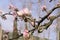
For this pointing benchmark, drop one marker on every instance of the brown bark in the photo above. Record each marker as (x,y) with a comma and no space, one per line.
(0,32)
(15,30)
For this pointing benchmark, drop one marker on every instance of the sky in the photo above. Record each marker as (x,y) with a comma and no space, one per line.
(7,25)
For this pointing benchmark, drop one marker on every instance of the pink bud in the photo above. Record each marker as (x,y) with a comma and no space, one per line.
(12,7)
(58,4)
(43,8)
(25,33)
(26,30)
(48,18)
(14,14)
(32,23)
(26,11)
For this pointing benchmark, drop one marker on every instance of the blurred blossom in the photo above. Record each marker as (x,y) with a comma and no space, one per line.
(12,7)
(43,8)
(32,23)
(58,4)
(14,14)
(24,11)
(20,13)
(25,33)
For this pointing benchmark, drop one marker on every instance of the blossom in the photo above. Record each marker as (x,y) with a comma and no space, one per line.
(43,8)
(48,17)
(32,23)
(58,4)
(12,7)
(25,33)
(14,14)
(26,11)
(20,13)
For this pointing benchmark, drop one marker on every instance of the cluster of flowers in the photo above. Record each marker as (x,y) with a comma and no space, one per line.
(24,11)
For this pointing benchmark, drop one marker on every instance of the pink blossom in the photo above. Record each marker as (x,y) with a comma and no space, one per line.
(12,7)
(32,23)
(25,33)
(26,11)
(43,7)
(20,13)
(58,4)
(48,17)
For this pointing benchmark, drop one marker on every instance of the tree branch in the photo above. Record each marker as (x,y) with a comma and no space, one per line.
(6,14)
(49,12)
(46,25)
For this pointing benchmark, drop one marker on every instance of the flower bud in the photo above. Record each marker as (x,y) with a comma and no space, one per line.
(26,11)
(43,8)
(25,33)
(12,7)
(32,23)
(58,4)
(48,18)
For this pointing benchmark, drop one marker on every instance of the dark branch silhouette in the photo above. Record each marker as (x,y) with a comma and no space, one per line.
(50,0)
(49,12)
(46,25)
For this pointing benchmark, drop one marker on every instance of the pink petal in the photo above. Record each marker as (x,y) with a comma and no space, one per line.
(26,11)
(43,7)
(20,13)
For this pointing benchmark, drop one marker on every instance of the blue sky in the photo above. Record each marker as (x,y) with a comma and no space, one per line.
(8,24)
